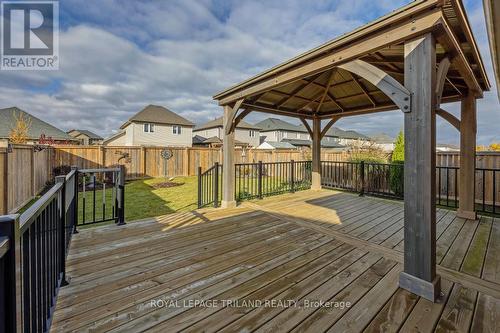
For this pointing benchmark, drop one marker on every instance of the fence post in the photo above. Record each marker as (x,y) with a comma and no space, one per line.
(62,220)
(216,184)
(362,174)
(142,160)
(292,176)
(259,179)
(10,314)
(121,196)
(199,187)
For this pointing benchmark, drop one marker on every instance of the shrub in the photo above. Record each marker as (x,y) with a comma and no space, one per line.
(396,177)
(61,170)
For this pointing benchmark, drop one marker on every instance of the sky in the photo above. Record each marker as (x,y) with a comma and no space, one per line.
(118,56)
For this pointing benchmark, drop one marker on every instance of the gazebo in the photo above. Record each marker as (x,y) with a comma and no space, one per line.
(414,60)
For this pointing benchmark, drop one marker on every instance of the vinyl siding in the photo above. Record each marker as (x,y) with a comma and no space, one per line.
(241,134)
(162,136)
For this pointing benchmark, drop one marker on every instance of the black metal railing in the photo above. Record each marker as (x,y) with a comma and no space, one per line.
(254,180)
(488,190)
(209,186)
(34,262)
(342,175)
(258,180)
(33,250)
(101,195)
(383,179)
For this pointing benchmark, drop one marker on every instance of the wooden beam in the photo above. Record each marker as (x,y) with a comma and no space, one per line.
(325,93)
(363,89)
(468,129)
(449,118)
(329,125)
(231,116)
(239,118)
(383,81)
(297,91)
(419,274)
(271,110)
(389,35)
(442,70)
(306,125)
(228,176)
(316,154)
(446,38)
(335,101)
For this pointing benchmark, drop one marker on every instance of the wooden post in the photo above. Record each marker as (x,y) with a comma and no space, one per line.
(468,128)
(102,158)
(142,160)
(228,172)
(316,154)
(4,181)
(419,274)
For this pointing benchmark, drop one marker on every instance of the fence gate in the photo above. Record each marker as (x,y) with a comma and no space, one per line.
(101,195)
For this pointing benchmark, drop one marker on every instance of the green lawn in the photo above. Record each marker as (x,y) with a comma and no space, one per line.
(142,200)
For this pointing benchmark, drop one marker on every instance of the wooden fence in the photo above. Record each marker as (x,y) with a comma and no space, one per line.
(24,172)
(147,161)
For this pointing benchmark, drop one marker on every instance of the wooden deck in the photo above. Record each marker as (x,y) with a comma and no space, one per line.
(276,259)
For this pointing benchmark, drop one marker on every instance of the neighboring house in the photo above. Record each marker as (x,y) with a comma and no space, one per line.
(86,137)
(277,130)
(276,145)
(39,131)
(445,147)
(215,142)
(383,141)
(307,143)
(154,126)
(244,133)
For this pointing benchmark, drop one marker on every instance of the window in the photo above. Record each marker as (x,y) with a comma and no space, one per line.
(252,133)
(149,128)
(176,129)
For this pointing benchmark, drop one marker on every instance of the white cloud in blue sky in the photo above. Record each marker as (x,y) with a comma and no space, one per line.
(118,56)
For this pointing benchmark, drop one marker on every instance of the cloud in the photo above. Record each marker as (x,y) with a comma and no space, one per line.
(118,56)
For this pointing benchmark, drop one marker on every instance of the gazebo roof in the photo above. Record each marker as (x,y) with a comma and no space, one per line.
(312,83)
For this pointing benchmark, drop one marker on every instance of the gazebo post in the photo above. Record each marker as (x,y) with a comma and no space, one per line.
(468,128)
(316,154)
(419,275)
(228,173)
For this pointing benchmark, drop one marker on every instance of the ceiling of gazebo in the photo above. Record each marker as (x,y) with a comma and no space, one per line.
(336,91)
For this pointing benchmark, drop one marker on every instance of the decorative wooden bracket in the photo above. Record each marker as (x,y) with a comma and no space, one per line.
(239,118)
(442,70)
(306,125)
(230,125)
(383,81)
(328,126)
(449,118)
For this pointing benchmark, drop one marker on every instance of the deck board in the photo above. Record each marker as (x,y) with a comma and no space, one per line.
(286,248)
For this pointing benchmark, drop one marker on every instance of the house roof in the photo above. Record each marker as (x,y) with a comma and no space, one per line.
(218,123)
(279,145)
(38,126)
(324,82)
(114,136)
(324,143)
(158,115)
(274,124)
(87,133)
(382,138)
(217,140)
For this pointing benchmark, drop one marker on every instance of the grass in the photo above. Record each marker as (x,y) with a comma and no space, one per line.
(142,200)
